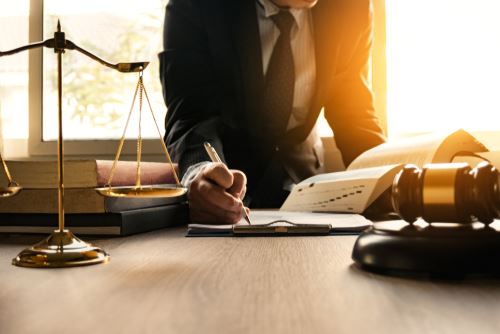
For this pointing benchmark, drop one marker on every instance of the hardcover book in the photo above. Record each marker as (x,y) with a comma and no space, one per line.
(117,223)
(36,174)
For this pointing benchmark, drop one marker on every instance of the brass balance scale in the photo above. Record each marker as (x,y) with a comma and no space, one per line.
(62,248)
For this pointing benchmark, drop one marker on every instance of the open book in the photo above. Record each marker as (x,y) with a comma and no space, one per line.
(370,174)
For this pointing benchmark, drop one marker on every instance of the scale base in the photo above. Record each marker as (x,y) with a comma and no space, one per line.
(61,249)
(437,250)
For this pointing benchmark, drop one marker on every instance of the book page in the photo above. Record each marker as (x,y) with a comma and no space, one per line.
(473,159)
(458,143)
(493,157)
(418,150)
(349,191)
(335,220)
(365,173)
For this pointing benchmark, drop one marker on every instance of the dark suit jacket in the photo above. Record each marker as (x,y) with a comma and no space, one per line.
(212,77)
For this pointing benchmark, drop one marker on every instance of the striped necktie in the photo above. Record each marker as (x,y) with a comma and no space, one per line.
(280,77)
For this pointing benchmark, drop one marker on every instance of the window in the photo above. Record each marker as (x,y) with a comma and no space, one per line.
(443,65)
(96,100)
(14,71)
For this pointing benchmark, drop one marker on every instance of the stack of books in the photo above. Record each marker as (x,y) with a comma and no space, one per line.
(35,208)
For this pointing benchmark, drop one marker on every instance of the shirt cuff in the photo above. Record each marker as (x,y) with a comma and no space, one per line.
(192,172)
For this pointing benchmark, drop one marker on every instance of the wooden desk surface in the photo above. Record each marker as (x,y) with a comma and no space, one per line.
(162,282)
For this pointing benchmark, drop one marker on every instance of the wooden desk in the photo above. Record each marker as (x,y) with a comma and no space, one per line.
(162,282)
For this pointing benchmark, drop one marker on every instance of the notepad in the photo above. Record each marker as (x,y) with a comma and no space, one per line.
(270,222)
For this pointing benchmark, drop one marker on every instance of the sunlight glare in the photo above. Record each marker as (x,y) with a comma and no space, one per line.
(443,65)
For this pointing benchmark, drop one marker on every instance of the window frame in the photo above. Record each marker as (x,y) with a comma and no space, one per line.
(105,148)
(379,63)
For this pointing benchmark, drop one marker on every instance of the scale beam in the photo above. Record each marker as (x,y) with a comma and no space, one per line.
(69,45)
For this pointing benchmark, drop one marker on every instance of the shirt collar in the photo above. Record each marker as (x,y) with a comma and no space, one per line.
(271,9)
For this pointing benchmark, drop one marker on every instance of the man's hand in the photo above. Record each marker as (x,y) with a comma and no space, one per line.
(215,195)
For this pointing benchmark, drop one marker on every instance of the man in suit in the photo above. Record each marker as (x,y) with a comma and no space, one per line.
(251,77)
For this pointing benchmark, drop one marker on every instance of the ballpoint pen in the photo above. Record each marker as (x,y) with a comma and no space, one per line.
(212,153)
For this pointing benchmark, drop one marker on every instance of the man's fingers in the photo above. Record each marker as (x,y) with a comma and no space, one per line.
(239,187)
(204,193)
(219,174)
(243,193)
(214,195)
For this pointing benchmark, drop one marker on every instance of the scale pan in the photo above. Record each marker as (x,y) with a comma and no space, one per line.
(162,191)
(9,191)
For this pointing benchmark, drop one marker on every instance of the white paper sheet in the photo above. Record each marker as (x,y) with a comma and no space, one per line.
(336,221)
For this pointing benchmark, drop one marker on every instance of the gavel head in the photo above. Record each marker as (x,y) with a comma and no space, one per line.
(452,192)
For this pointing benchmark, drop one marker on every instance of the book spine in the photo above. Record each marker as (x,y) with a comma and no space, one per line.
(154,218)
(87,173)
(45,201)
(120,224)
(125,173)
(119,204)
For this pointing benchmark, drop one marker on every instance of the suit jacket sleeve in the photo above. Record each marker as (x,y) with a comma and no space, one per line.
(190,86)
(349,108)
